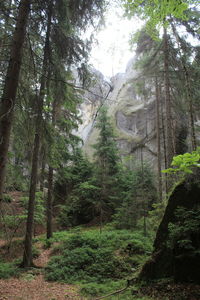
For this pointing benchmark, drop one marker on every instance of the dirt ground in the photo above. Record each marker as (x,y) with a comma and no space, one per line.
(31,286)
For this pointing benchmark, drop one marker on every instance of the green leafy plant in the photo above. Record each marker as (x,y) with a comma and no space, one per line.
(7,270)
(185,163)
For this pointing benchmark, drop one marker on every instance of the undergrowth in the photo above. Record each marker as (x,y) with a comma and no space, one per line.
(8,270)
(101,263)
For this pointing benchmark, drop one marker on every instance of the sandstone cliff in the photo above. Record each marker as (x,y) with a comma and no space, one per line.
(132,116)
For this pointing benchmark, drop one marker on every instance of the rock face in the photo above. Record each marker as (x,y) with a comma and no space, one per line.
(93,98)
(132,117)
(131,103)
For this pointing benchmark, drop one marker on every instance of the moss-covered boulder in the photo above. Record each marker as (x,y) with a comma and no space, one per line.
(177,245)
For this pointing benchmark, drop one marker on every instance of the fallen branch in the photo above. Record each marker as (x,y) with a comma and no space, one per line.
(115,293)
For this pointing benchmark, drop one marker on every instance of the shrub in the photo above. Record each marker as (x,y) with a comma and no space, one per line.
(7,270)
(86,263)
(135,246)
(89,256)
(7,198)
(99,262)
(184,233)
(96,289)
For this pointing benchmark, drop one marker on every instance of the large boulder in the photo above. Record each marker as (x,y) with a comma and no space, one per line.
(178,257)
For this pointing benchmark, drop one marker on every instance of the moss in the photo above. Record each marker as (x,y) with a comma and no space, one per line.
(164,262)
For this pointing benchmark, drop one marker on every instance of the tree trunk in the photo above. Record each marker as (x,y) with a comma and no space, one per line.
(10,87)
(188,91)
(43,165)
(159,174)
(50,179)
(49,204)
(27,258)
(164,142)
(169,135)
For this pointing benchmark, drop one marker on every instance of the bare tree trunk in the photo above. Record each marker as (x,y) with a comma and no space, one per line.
(164,141)
(10,87)
(144,204)
(49,203)
(170,151)
(169,136)
(101,220)
(27,258)
(43,165)
(159,174)
(50,179)
(188,91)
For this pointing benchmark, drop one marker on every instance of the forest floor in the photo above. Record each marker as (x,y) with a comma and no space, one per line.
(32,285)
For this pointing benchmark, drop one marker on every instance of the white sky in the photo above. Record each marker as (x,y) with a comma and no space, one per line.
(112,53)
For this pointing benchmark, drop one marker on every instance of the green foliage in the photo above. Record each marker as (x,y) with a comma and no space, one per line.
(106,153)
(184,233)
(156,12)
(92,188)
(15,180)
(7,270)
(185,163)
(12,221)
(88,261)
(103,188)
(7,198)
(137,189)
(95,289)
(90,257)
(39,214)
(155,215)
(76,184)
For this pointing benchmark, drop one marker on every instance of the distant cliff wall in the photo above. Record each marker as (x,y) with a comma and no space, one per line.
(132,117)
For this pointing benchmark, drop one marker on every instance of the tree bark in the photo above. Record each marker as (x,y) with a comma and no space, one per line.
(159,174)
(164,142)
(169,135)
(50,178)
(49,203)
(27,257)
(188,91)
(10,87)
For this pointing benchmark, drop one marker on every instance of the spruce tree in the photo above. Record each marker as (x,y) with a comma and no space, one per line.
(107,162)
(10,86)
(62,47)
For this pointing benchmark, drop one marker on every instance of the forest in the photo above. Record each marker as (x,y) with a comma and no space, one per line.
(99,178)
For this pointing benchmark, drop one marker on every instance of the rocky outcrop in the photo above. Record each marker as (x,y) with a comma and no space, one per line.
(132,109)
(132,117)
(93,97)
